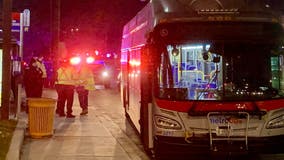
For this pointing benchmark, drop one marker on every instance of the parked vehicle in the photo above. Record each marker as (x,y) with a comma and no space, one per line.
(204,77)
(102,74)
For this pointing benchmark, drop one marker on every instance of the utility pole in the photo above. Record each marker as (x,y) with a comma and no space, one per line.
(6,61)
(55,28)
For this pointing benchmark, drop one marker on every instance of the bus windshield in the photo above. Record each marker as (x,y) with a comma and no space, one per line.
(220,71)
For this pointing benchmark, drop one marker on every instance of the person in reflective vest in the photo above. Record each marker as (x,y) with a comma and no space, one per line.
(65,85)
(84,83)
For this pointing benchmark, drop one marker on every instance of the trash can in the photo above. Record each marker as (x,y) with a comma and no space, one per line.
(41,116)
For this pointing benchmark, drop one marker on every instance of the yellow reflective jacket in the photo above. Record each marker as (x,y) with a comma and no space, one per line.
(65,76)
(85,77)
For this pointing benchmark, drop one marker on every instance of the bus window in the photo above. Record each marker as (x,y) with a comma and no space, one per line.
(184,67)
(239,71)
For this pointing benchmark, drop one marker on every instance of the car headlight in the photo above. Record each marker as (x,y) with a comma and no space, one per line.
(105,74)
(277,122)
(167,123)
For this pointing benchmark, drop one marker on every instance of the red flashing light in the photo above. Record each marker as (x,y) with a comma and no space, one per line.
(108,55)
(96,52)
(90,60)
(25,63)
(75,60)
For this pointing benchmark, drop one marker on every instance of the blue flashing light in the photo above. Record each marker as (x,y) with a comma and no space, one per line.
(99,62)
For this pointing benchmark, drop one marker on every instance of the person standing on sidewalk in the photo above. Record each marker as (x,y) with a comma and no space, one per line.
(34,75)
(40,65)
(65,85)
(85,83)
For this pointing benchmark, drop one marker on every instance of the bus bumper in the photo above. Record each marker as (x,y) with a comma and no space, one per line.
(172,146)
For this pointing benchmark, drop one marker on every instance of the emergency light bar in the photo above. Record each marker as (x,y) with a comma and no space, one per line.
(77,60)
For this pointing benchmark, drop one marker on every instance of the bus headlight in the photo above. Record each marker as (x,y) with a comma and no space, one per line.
(277,122)
(167,123)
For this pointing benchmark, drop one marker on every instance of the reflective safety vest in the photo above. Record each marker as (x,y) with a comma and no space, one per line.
(65,76)
(85,78)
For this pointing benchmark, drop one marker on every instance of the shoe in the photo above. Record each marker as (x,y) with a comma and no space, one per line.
(70,116)
(84,112)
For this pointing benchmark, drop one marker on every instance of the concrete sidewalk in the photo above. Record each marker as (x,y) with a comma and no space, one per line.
(17,139)
(95,137)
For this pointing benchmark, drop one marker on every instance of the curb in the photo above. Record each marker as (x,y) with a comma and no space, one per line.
(17,141)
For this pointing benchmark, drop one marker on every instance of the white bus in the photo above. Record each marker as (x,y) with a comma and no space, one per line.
(204,76)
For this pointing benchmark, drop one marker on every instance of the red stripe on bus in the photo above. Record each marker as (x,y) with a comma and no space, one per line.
(184,106)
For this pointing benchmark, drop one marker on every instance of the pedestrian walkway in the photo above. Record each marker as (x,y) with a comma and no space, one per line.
(92,137)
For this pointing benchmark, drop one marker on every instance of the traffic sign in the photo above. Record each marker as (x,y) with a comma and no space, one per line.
(16,22)
(26,18)
(16,16)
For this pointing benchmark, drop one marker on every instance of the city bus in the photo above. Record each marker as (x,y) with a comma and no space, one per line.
(204,76)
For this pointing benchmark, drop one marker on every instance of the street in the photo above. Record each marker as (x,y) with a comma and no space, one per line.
(104,134)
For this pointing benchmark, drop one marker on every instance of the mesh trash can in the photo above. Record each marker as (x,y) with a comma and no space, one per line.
(41,116)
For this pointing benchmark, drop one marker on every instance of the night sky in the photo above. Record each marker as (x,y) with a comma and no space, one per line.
(99,23)
(84,24)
